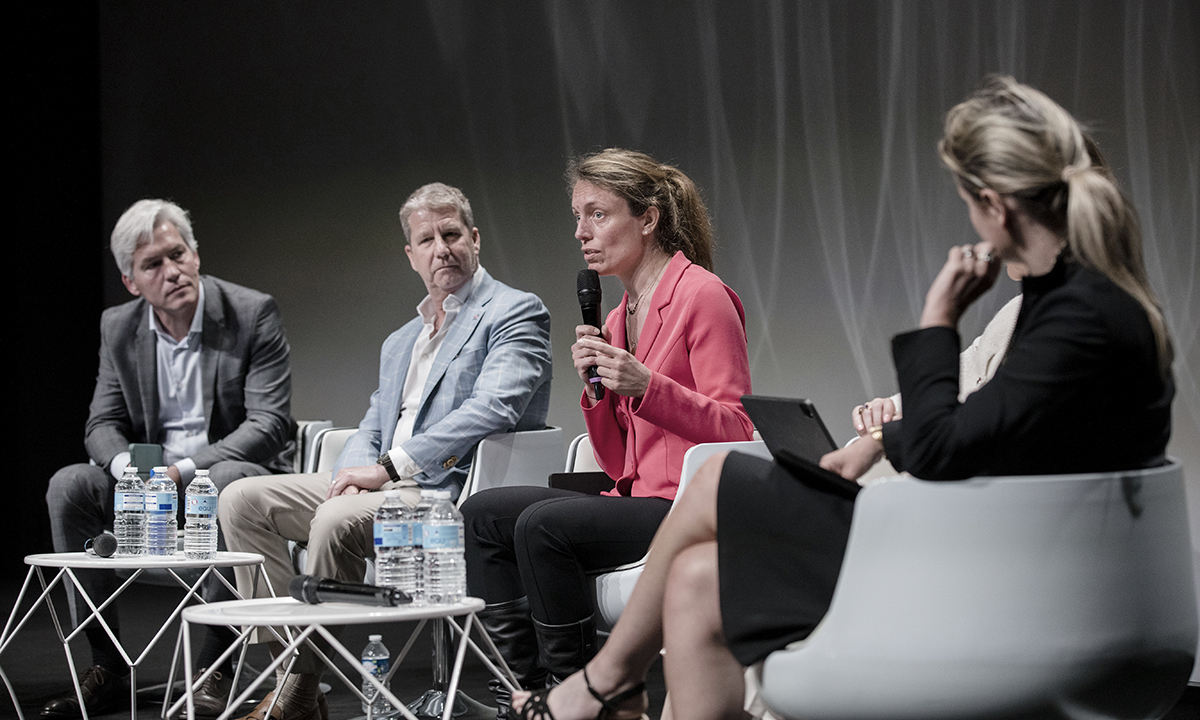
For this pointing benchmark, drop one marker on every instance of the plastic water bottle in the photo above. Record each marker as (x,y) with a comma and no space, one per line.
(376,660)
(417,523)
(200,518)
(393,543)
(161,501)
(129,514)
(445,568)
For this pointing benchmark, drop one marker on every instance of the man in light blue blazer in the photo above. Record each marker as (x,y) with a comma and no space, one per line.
(475,361)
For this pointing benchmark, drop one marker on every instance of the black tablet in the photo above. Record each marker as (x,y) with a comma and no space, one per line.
(797,438)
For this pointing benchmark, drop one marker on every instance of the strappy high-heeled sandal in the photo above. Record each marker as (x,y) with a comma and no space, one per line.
(538,708)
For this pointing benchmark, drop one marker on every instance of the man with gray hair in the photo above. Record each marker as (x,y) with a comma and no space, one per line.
(475,361)
(194,364)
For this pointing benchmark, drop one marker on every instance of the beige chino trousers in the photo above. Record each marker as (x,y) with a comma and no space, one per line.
(261,514)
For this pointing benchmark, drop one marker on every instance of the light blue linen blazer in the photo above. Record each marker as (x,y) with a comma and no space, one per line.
(492,374)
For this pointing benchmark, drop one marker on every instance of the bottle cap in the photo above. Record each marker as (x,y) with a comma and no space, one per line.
(441,494)
(161,470)
(130,469)
(426,492)
(391,493)
(201,473)
(374,638)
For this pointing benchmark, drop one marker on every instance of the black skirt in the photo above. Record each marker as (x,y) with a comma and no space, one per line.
(780,545)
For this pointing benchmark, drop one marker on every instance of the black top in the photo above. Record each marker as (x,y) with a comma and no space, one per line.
(1079,389)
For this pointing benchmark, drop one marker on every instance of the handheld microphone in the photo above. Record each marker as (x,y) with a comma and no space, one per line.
(314,589)
(587,284)
(103,545)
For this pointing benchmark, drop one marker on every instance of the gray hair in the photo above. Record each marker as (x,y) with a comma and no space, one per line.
(136,228)
(436,196)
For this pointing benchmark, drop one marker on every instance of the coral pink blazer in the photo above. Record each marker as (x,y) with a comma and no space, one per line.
(694,343)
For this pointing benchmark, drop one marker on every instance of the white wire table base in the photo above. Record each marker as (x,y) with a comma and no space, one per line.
(302,622)
(68,563)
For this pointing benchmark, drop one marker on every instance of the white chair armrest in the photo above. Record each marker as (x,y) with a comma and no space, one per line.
(516,458)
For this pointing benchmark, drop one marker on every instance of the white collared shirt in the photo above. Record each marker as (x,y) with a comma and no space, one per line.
(424,352)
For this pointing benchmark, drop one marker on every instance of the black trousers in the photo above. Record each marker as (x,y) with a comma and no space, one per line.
(541,543)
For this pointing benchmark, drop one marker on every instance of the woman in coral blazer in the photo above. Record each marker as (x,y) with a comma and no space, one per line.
(692,346)
(672,359)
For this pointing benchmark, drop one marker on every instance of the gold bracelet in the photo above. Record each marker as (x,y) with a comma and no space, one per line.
(877,433)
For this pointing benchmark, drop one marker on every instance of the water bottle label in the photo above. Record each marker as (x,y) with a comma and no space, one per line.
(417,534)
(163,502)
(443,537)
(201,505)
(377,666)
(126,502)
(392,533)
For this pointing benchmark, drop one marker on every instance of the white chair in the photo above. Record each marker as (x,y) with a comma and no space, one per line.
(517,458)
(324,449)
(1067,596)
(306,434)
(513,458)
(613,587)
(580,457)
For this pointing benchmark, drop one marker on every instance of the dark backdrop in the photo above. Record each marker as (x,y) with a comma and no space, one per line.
(293,131)
(55,241)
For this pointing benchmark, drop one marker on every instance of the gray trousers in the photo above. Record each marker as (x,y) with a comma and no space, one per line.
(80,499)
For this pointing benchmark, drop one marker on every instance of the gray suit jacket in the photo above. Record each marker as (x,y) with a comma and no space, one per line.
(246,378)
(491,374)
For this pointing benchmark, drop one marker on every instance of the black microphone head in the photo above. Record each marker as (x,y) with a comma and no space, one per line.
(304,588)
(587,284)
(103,545)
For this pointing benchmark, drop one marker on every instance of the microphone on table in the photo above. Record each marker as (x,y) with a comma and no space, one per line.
(103,545)
(314,589)
(587,283)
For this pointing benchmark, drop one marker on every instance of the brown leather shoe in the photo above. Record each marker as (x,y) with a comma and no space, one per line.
(212,695)
(320,711)
(102,691)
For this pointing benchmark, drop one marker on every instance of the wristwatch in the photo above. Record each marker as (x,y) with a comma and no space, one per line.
(386,462)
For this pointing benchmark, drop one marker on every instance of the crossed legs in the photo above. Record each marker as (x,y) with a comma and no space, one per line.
(705,679)
(680,577)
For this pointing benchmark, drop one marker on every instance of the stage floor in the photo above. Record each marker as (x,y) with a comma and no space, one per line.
(37,668)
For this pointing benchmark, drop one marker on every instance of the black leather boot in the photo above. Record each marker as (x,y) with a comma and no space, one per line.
(565,649)
(511,627)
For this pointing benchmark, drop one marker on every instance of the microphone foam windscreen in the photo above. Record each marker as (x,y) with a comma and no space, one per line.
(588,282)
(104,544)
(296,588)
